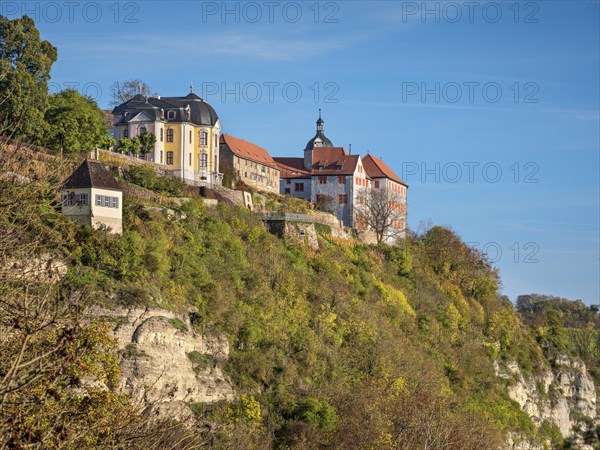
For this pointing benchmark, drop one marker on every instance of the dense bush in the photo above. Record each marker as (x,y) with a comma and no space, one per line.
(148,178)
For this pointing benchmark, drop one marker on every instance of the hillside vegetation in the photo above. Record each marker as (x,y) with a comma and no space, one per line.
(350,346)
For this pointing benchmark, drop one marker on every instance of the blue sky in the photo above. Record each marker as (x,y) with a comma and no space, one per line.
(490,112)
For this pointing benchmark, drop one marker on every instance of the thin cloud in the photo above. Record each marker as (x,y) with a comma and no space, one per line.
(581,114)
(241,45)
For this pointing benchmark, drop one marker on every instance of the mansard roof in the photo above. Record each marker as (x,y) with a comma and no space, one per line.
(91,174)
(376,168)
(248,150)
(200,112)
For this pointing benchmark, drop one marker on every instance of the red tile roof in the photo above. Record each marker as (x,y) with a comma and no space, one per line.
(248,150)
(334,160)
(376,168)
(292,167)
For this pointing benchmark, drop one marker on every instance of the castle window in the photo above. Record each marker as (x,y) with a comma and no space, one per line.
(170,135)
(161,155)
(126,133)
(203,138)
(322,180)
(342,199)
(82,199)
(169,155)
(341,180)
(171,115)
(203,160)
(68,199)
(107,201)
(161,135)
(190,136)
(376,184)
(299,187)
(143,130)
(190,159)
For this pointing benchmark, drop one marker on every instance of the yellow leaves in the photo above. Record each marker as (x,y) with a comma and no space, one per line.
(93,354)
(395,300)
(383,442)
(398,386)
(477,312)
(249,410)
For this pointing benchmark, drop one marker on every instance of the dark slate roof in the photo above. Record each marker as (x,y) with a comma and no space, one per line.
(91,174)
(201,113)
(325,142)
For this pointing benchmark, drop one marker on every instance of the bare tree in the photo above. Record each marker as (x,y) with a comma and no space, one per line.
(383,211)
(123,91)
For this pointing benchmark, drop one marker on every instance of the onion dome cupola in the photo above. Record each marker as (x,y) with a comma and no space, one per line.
(319,140)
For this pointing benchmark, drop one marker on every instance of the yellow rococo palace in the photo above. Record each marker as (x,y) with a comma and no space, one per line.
(187,131)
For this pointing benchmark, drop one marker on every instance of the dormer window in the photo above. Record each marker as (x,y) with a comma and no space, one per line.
(171,115)
(321,167)
(338,167)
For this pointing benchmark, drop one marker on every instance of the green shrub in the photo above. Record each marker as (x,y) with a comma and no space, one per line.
(320,414)
(149,179)
(179,324)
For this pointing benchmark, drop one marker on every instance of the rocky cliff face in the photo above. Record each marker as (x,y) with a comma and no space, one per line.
(164,363)
(564,394)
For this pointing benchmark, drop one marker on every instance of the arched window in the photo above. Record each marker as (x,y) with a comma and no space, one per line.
(203,160)
(170,135)
(171,115)
(143,130)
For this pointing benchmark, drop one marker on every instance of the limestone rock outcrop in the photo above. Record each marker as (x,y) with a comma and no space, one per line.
(165,364)
(563,394)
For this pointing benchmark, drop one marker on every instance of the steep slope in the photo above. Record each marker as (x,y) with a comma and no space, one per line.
(347,346)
